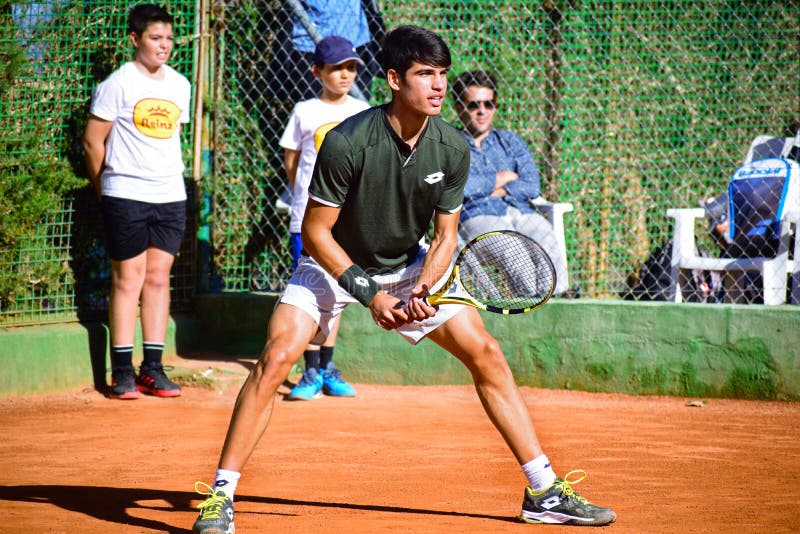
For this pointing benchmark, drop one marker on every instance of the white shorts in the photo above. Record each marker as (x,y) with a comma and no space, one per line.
(318,294)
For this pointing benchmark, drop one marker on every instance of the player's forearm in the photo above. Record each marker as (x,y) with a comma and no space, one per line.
(351,277)
(437,260)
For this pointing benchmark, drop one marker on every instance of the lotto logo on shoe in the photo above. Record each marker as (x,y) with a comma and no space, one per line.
(550,502)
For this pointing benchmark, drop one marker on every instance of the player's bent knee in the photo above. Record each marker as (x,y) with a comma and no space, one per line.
(278,359)
(269,372)
(492,349)
(489,358)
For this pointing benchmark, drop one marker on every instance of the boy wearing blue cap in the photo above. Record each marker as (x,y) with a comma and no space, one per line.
(335,66)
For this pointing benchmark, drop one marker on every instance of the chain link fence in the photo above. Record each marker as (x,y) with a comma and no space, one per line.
(630,108)
(53,265)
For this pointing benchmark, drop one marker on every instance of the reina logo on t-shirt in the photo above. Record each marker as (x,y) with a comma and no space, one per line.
(156,118)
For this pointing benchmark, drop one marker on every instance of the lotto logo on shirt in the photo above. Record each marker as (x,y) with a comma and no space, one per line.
(319,133)
(156,118)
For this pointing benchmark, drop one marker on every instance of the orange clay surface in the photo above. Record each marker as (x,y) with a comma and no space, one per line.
(394,459)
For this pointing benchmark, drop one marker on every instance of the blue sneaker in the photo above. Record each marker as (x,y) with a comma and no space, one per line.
(332,383)
(309,387)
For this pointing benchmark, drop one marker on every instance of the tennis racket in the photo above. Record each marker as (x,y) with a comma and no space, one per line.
(501,272)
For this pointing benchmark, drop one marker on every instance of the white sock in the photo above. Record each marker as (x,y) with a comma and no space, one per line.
(539,473)
(227,481)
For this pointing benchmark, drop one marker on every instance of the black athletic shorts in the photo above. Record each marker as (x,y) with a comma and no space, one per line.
(132,226)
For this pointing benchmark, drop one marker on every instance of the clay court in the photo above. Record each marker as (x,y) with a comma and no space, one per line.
(394,459)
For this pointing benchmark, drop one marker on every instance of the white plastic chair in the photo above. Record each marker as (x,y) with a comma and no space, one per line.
(554,213)
(774,271)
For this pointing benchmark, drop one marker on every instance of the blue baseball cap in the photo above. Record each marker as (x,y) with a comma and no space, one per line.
(335,50)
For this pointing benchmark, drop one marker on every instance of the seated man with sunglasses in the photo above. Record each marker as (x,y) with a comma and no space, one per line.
(503,178)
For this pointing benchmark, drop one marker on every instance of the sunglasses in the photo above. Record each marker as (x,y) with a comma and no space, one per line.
(472,105)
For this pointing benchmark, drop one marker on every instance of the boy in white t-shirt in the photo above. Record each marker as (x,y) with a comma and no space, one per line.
(334,66)
(133,154)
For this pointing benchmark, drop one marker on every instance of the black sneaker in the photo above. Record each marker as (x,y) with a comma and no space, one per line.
(123,384)
(560,504)
(153,381)
(216,512)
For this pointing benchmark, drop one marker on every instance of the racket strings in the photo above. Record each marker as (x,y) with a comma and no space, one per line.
(507,271)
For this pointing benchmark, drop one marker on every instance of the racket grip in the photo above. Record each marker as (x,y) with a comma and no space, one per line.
(430,300)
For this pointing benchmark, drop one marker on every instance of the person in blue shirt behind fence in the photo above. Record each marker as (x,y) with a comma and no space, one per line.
(503,178)
(359,21)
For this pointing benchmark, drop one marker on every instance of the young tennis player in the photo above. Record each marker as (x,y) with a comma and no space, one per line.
(380,177)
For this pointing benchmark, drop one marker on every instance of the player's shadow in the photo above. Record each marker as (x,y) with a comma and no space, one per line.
(107,504)
(115,504)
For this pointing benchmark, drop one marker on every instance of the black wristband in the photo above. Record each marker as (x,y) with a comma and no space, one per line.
(359,284)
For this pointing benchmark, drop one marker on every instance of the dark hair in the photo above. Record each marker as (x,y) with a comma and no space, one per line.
(406,44)
(143,15)
(473,78)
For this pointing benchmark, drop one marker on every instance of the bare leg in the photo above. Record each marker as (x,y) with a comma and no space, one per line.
(155,294)
(127,279)
(330,341)
(466,338)
(289,331)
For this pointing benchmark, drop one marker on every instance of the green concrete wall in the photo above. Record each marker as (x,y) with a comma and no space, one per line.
(686,350)
(638,348)
(51,358)
(61,357)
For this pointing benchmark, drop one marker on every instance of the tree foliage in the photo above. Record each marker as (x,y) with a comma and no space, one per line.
(35,177)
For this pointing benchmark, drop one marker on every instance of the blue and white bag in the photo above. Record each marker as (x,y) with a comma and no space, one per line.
(761,194)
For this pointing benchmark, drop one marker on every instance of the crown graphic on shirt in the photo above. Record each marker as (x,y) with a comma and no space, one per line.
(158,110)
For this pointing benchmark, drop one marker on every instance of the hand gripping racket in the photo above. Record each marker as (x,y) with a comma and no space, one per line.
(501,272)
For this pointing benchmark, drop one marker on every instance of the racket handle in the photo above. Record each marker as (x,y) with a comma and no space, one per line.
(427,300)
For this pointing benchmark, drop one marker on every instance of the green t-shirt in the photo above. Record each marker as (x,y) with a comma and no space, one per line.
(387,194)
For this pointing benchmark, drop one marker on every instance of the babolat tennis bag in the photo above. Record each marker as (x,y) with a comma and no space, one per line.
(760,195)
